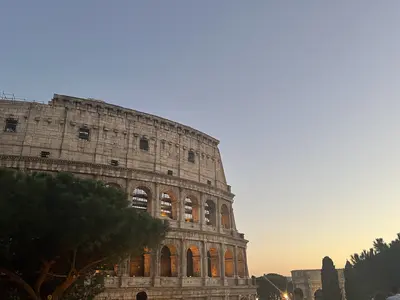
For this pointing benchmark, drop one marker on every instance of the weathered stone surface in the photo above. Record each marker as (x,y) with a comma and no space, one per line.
(175,168)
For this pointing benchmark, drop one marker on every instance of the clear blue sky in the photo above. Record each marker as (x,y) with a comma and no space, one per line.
(304,96)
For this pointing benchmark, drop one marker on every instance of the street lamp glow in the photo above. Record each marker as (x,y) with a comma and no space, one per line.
(285,295)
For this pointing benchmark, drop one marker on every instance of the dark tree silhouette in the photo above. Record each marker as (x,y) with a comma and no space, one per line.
(57,230)
(266,291)
(330,280)
(373,272)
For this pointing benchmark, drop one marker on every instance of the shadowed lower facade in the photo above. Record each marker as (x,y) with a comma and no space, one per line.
(170,170)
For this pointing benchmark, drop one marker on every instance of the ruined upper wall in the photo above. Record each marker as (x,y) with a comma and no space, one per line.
(114,138)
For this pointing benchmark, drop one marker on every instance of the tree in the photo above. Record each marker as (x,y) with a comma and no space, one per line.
(55,230)
(267,291)
(330,280)
(351,291)
(373,272)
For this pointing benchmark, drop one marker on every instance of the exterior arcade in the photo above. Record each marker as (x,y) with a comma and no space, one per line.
(170,170)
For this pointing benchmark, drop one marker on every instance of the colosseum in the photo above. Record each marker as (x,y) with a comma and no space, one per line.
(170,170)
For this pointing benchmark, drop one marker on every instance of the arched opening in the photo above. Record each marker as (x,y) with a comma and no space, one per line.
(210,213)
(168,206)
(191,210)
(213,261)
(137,266)
(189,263)
(241,265)
(225,220)
(168,262)
(141,296)
(229,268)
(193,262)
(140,265)
(144,144)
(140,199)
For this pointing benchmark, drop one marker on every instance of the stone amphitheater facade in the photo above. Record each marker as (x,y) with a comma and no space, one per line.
(170,170)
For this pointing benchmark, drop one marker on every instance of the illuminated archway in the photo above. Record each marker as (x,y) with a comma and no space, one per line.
(168,261)
(141,199)
(210,213)
(241,265)
(193,262)
(140,265)
(192,210)
(168,205)
(229,266)
(213,262)
(225,220)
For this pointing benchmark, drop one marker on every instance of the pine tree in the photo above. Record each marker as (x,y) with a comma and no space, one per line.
(330,280)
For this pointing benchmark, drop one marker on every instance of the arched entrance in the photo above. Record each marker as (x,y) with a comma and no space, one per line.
(168,205)
(191,210)
(140,265)
(193,262)
(241,265)
(210,213)
(141,296)
(168,261)
(137,266)
(141,199)
(225,220)
(212,262)
(229,268)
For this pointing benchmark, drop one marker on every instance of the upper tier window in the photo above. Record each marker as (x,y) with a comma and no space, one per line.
(191,156)
(84,133)
(144,144)
(11,125)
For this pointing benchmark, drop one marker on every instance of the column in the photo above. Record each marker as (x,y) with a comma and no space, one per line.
(204,266)
(147,264)
(181,208)
(183,259)
(174,265)
(232,219)
(155,202)
(218,214)
(235,261)
(246,269)
(125,267)
(202,216)
(124,271)
(222,263)
(155,267)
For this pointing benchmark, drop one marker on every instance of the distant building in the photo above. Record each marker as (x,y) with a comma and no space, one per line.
(310,281)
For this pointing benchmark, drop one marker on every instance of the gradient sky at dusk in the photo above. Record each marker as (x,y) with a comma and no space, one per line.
(304,96)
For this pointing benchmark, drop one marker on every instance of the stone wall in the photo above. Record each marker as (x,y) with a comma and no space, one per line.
(170,170)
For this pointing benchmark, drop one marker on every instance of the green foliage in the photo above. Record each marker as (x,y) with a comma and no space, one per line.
(56,229)
(86,287)
(266,291)
(374,271)
(330,280)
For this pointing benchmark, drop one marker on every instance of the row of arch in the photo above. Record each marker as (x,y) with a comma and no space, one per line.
(141,199)
(169,263)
